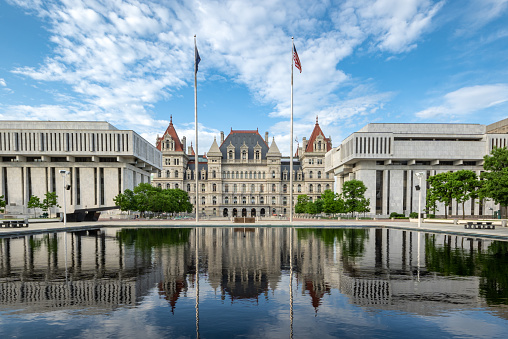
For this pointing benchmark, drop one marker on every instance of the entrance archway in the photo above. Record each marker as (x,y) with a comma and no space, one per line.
(253,212)
(225,212)
(235,212)
(262,212)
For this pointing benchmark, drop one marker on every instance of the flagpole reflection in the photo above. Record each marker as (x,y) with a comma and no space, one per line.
(197,283)
(291,282)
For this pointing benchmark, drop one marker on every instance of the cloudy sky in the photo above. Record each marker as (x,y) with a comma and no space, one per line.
(131,63)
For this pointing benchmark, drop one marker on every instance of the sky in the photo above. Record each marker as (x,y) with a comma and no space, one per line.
(131,63)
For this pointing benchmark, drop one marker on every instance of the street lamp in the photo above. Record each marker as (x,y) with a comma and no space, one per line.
(419,175)
(66,187)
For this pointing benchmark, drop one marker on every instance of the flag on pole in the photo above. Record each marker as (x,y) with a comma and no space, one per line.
(297,59)
(197,59)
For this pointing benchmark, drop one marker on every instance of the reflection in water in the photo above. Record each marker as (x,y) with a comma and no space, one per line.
(104,270)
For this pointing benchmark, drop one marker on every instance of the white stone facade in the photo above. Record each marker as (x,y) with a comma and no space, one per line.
(102,160)
(386,158)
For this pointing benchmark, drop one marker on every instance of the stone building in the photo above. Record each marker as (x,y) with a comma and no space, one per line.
(244,174)
(386,157)
(102,161)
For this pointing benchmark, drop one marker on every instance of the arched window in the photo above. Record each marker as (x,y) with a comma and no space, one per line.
(250,175)
(262,188)
(285,188)
(252,188)
(230,154)
(226,200)
(235,200)
(188,187)
(176,185)
(273,187)
(319,174)
(228,174)
(167,144)
(255,175)
(226,188)
(214,200)
(310,174)
(203,187)
(319,188)
(214,187)
(214,175)
(176,174)
(244,200)
(241,175)
(223,174)
(311,188)
(202,200)
(273,200)
(167,174)
(159,174)
(261,200)
(234,188)
(319,145)
(284,201)
(299,188)
(244,155)
(273,174)
(168,186)
(159,185)
(258,155)
(252,200)
(244,188)
(327,186)
(264,175)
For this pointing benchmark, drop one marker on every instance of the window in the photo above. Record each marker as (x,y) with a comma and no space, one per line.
(273,200)
(257,155)
(244,155)
(327,175)
(226,188)
(285,188)
(252,188)
(252,200)
(226,200)
(234,188)
(310,174)
(319,174)
(244,188)
(176,185)
(159,174)
(214,187)
(176,174)
(202,187)
(250,175)
(167,174)
(244,200)
(159,185)
(188,187)
(284,201)
(299,188)
(311,188)
(235,200)
(261,200)
(214,175)
(202,200)
(273,187)
(254,175)
(262,188)
(273,174)
(231,155)
(214,200)
(319,188)
(327,186)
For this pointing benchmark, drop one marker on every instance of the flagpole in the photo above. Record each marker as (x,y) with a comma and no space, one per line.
(291,142)
(196,154)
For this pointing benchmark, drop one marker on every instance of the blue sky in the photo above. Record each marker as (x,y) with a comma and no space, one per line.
(131,63)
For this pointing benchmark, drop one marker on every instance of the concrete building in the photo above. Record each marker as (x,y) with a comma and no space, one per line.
(102,160)
(386,158)
(244,174)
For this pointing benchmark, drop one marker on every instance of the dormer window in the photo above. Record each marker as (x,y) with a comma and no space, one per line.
(244,155)
(258,155)
(231,155)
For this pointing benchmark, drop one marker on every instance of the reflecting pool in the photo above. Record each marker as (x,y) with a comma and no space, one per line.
(252,282)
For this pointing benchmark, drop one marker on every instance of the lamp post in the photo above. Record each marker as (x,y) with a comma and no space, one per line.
(419,175)
(66,187)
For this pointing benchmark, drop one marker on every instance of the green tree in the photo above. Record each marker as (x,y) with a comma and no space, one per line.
(301,203)
(125,201)
(465,185)
(34,202)
(2,204)
(329,203)
(495,179)
(353,192)
(311,208)
(49,201)
(440,189)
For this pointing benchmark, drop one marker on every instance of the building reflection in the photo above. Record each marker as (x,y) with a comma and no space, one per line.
(375,268)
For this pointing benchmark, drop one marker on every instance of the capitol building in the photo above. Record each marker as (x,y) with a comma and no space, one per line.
(244,174)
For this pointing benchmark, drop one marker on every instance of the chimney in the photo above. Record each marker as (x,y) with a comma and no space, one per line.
(266,137)
(184,143)
(221,137)
(304,144)
(189,150)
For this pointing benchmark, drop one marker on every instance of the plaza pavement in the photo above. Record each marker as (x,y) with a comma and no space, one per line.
(430,227)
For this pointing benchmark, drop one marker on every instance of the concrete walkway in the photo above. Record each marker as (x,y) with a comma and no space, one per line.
(449,228)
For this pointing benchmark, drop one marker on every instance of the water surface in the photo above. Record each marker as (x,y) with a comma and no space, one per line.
(252,282)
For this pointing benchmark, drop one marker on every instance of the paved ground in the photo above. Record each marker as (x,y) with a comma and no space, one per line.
(499,232)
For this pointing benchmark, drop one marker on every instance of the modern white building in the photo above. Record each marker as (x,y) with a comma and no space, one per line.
(101,161)
(386,157)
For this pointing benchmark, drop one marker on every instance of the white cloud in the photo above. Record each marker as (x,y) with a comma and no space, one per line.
(124,56)
(2,82)
(467,100)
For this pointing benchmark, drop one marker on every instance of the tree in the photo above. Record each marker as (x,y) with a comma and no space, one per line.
(50,200)
(2,204)
(125,201)
(440,190)
(465,186)
(311,208)
(301,203)
(34,202)
(353,192)
(495,180)
(329,203)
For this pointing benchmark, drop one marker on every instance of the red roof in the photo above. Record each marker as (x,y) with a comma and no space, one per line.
(315,133)
(172,132)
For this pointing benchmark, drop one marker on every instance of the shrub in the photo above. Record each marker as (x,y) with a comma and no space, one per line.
(413,215)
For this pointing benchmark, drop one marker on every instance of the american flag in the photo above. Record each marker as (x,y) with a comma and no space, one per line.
(297,59)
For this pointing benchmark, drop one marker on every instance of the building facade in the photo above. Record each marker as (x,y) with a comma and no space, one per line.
(386,157)
(244,174)
(102,161)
